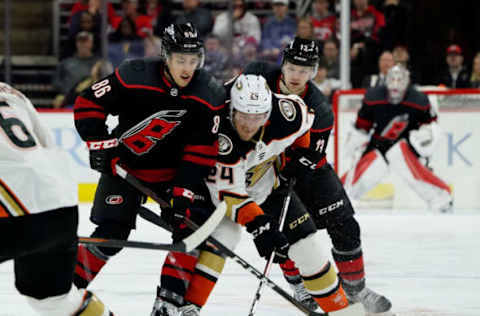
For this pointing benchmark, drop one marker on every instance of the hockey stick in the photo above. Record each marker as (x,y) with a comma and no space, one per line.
(268,266)
(199,234)
(116,243)
(148,215)
(153,218)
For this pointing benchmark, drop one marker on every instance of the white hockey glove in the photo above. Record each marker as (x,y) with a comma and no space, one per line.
(357,139)
(425,139)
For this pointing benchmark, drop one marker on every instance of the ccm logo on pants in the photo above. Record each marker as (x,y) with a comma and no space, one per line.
(299,220)
(330,208)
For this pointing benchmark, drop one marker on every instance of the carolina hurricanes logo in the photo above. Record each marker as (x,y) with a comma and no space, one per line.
(114,199)
(141,138)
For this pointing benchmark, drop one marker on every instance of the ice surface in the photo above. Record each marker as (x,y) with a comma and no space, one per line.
(427,264)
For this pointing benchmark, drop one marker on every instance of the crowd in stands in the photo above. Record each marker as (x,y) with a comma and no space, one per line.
(378,39)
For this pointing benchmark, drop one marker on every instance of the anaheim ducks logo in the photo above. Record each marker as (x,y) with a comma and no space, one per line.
(239,85)
(225,144)
(287,109)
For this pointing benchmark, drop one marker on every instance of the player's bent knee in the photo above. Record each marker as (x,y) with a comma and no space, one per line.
(309,254)
(345,234)
(75,302)
(228,233)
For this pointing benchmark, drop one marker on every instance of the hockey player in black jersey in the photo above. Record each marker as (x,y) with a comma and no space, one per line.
(321,191)
(396,129)
(168,118)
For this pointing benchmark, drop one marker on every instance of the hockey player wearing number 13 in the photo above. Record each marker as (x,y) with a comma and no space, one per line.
(39,213)
(320,189)
(166,137)
(396,129)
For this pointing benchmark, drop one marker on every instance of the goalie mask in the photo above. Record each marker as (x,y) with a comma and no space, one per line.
(250,105)
(397,81)
(182,38)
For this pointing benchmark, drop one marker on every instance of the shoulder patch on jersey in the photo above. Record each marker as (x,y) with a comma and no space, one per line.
(287,109)
(225,144)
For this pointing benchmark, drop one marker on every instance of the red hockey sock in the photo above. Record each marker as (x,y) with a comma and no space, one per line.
(350,265)
(177,272)
(290,272)
(88,265)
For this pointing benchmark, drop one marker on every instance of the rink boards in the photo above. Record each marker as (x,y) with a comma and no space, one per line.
(455,160)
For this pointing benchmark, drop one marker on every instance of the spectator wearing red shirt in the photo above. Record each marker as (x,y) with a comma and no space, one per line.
(143,22)
(366,22)
(366,31)
(94,7)
(323,20)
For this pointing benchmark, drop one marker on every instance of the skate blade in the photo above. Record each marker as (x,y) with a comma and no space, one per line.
(355,309)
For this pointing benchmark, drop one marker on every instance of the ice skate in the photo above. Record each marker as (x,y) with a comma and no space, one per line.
(189,310)
(300,294)
(374,303)
(164,308)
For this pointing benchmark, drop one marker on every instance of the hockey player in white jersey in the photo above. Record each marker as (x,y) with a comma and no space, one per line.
(259,127)
(396,130)
(38,213)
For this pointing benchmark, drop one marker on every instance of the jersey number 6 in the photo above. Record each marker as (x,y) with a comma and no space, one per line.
(15,130)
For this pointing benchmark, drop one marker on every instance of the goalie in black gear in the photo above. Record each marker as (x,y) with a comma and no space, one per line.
(396,129)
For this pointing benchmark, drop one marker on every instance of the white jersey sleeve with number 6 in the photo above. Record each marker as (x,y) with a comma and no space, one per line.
(34,173)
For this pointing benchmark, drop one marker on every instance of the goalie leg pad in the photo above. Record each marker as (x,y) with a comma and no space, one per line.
(423,181)
(368,172)
(207,271)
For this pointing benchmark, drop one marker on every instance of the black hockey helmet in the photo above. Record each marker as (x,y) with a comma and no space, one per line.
(181,38)
(303,52)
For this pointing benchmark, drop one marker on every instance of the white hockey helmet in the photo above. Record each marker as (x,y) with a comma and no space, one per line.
(250,94)
(397,81)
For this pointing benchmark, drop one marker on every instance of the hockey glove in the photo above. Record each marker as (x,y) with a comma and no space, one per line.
(301,162)
(181,203)
(267,238)
(103,155)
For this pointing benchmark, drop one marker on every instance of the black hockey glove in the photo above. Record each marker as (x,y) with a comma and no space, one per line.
(103,155)
(300,163)
(267,238)
(180,203)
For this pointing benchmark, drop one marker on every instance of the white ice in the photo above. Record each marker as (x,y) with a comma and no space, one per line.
(427,264)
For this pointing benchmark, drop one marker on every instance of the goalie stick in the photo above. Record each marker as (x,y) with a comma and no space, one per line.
(268,266)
